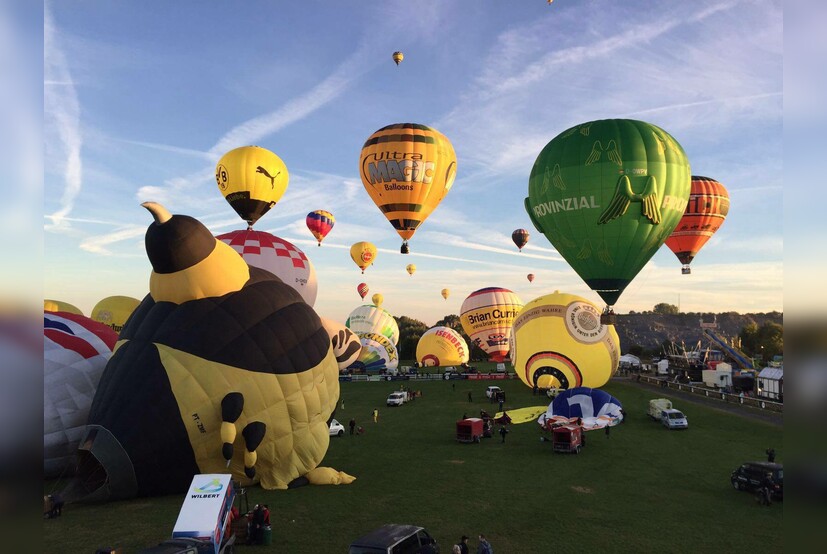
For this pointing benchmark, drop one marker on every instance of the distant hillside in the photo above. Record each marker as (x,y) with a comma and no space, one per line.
(650,330)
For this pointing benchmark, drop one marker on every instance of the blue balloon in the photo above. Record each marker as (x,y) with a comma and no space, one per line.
(595,407)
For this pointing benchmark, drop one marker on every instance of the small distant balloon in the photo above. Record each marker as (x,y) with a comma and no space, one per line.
(411,269)
(377,299)
(446,293)
(398,57)
(363,254)
(520,238)
(320,223)
(530,277)
(362,289)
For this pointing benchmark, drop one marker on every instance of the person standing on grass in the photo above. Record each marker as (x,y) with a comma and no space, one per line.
(484,546)
(463,544)
(376,415)
(608,430)
(352,425)
(771,455)
(503,432)
(469,396)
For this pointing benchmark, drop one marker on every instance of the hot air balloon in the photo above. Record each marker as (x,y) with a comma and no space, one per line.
(606,194)
(363,254)
(530,277)
(595,408)
(705,213)
(441,346)
(75,352)
(58,306)
(446,293)
(520,238)
(557,341)
(373,319)
(346,345)
(411,269)
(223,368)
(398,57)
(278,256)
(362,289)
(114,311)
(252,179)
(487,316)
(320,223)
(377,354)
(377,299)
(407,170)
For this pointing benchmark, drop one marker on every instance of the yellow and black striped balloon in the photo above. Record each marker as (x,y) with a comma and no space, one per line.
(407,170)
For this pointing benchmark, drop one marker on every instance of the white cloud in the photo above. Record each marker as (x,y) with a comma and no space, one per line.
(98,244)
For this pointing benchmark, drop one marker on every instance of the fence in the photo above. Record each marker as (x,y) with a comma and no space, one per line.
(429,377)
(760,403)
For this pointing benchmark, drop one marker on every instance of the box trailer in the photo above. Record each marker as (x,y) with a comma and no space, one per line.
(656,407)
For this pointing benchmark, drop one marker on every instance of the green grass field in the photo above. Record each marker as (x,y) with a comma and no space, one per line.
(644,489)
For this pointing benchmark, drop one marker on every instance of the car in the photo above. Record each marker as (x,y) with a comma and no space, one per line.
(750,477)
(673,419)
(396,399)
(336,428)
(493,392)
(395,539)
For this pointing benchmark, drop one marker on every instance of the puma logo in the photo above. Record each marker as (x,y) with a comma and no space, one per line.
(272,178)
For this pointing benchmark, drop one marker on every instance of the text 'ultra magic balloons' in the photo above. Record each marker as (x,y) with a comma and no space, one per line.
(223,368)
(520,238)
(278,256)
(607,194)
(407,170)
(320,223)
(705,212)
(252,179)
(557,341)
(373,319)
(113,311)
(441,346)
(487,316)
(363,254)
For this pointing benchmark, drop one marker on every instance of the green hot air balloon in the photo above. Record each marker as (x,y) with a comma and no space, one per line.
(607,194)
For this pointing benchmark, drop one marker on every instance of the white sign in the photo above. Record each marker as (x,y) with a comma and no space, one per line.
(202,513)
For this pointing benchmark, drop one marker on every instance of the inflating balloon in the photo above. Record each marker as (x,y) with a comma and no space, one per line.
(557,341)
(407,170)
(520,238)
(398,57)
(530,277)
(606,194)
(595,408)
(346,345)
(446,293)
(377,354)
(487,316)
(377,300)
(223,368)
(362,289)
(373,319)
(252,179)
(441,346)
(320,223)
(363,254)
(278,256)
(113,311)
(75,352)
(58,306)
(411,269)
(705,213)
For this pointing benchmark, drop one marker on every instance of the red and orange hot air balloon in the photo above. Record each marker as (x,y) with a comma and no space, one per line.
(520,238)
(707,208)
(320,223)
(362,289)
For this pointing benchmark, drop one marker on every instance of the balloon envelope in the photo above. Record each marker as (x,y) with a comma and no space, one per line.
(320,223)
(252,179)
(373,319)
(278,256)
(410,268)
(446,293)
(362,289)
(346,345)
(114,311)
(520,238)
(557,341)
(398,57)
(377,354)
(377,300)
(596,408)
(407,170)
(607,194)
(363,254)
(705,212)
(487,316)
(58,306)
(441,346)
(530,277)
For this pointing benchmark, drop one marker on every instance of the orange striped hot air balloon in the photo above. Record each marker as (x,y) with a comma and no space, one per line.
(707,208)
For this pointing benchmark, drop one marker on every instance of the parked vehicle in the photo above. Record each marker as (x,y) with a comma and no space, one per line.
(336,428)
(395,539)
(470,429)
(656,407)
(396,398)
(674,419)
(567,438)
(492,392)
(750,477)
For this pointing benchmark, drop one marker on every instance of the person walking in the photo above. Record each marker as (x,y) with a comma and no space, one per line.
(484,546)
(501,404)
(352,425)
(463,544)
(771,454)
(376,415)
(608,430)
(469,396)
(343,403)
(503,432)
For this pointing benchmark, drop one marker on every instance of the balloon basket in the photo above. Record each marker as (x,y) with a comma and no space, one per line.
(686,270)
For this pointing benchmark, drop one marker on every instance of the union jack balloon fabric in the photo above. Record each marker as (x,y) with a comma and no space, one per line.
(278,256)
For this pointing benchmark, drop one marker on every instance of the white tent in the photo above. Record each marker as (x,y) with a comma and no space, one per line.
(629,360)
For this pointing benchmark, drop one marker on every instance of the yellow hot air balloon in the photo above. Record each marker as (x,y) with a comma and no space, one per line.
(407,170)
(411,269)
(363,254)
(114,311)
(441,346)
(252,179)
(377,299)
(398,57)
(446,293)
(58,306)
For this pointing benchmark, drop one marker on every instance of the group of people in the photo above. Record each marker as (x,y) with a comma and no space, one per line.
(483,546)
(259,520)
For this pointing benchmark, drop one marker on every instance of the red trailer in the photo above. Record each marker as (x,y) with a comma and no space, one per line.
(567,438)
(469,430)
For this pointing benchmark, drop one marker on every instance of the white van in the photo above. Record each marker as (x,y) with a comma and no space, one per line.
(396,398)
(674,419)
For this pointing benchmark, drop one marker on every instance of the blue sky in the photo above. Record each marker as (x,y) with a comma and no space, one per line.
(141,99)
